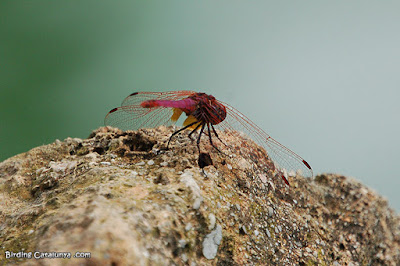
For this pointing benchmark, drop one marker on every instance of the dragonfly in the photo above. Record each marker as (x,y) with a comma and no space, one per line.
(204,114)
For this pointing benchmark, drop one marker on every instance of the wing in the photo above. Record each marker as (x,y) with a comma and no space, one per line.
(131,116)
(283,158)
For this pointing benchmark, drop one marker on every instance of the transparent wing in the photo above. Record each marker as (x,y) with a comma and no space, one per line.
(283,158)
(131,116)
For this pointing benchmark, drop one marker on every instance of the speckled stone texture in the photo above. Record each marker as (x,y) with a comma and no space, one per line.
(125,199)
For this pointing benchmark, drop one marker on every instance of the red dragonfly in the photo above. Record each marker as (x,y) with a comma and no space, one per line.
(203,111)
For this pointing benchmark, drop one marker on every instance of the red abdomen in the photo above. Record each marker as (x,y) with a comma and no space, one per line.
(149,104)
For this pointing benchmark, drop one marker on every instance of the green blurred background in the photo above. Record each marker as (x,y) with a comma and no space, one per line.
(320,77)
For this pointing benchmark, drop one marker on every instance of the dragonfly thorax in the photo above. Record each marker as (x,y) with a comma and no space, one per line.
(208,109)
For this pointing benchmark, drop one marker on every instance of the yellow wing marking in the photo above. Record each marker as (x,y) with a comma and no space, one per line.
(190,119)
(177,113)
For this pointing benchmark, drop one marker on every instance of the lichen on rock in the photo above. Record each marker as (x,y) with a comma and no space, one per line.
(125,200)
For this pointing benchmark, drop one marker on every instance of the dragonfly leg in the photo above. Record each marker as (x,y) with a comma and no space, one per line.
(194,130)
(198,139)
(176,132)
(215,133)
(209,136)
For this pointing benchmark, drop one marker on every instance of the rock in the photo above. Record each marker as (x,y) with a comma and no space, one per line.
(211,243)
(211,218)
(115,200)
(187,179)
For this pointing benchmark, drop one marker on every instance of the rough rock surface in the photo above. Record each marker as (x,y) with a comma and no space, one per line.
(121,197)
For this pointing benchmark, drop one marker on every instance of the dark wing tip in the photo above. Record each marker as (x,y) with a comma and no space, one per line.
(306,164)
(133,94)
(286,181)
(113,110)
